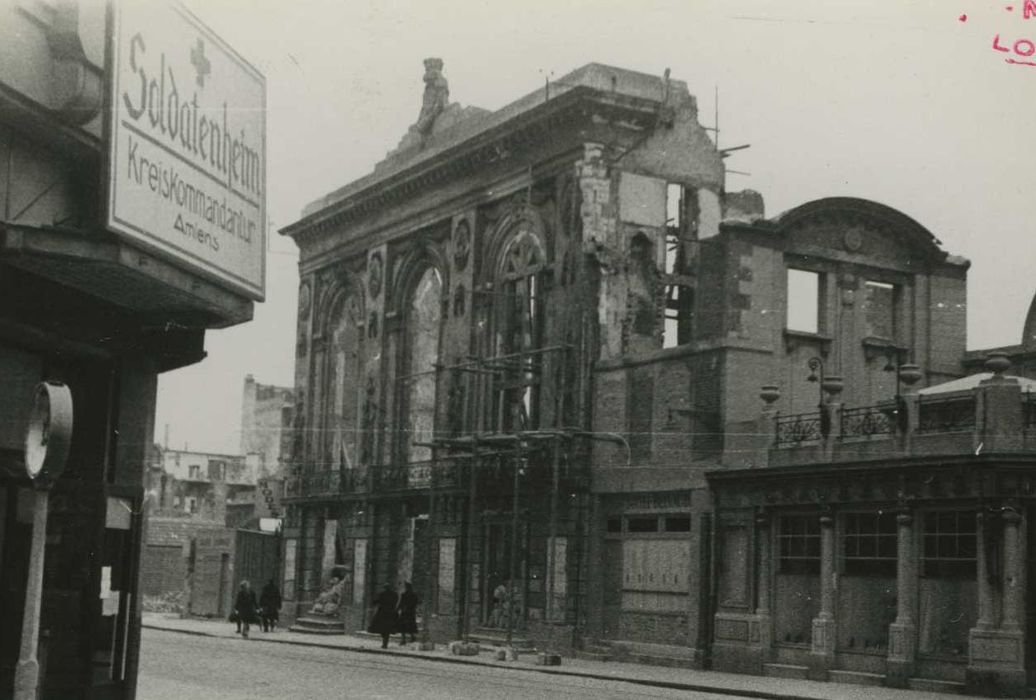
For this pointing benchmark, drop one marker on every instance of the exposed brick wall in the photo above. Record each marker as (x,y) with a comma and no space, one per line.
(162,569)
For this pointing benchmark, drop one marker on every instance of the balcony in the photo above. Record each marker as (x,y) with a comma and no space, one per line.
(416,475)
(321,485)
(798,429)
(982,413)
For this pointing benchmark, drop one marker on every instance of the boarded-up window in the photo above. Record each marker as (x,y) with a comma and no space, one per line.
(654,576)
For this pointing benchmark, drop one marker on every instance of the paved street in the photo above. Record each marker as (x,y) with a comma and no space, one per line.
(176,666)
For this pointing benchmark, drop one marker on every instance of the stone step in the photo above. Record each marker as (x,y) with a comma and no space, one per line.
(786,671)
(318,625)
(857,677)
(933,685)
(586,655)
(498,638)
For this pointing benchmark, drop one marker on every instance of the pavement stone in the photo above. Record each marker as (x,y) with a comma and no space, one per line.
(674,678)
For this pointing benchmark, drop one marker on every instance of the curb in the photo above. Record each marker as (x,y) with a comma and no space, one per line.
(546,670)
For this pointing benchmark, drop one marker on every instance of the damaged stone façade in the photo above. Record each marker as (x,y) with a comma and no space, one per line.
(600,295)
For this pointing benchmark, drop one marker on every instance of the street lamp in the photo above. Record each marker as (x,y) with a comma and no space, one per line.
(829,384)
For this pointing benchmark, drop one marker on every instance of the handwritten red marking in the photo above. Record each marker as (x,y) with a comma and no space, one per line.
(1029,9)
(997,46)
(1020,63)
(1009,8)
(963,18)
(1028,46)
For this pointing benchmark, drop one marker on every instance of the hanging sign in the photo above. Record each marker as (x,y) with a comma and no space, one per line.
(187,145)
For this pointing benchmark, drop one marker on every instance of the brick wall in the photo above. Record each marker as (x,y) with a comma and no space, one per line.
(162,569)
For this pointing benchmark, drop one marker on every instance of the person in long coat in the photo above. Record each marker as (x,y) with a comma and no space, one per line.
(407,611)
(270,601)
(246,607)
(384,620)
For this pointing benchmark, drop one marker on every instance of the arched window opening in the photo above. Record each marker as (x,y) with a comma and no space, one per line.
(519,326)
(423,324)
(343,385)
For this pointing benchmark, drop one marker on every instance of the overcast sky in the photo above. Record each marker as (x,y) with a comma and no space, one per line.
(905,103)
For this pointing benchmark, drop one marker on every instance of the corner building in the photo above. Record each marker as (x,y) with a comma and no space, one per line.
(98,313)
(552,373)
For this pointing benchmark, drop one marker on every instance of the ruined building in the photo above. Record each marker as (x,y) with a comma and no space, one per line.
(552,373)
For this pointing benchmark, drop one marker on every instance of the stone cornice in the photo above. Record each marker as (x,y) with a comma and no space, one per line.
(538,124)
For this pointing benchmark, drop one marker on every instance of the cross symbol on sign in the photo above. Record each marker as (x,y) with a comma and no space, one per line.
(201,64)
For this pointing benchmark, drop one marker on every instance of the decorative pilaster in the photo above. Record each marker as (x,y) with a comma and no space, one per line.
(986,619)
(996,656)
(1014,576)
(903,632)
(763,546)
(824,624)
(764,542)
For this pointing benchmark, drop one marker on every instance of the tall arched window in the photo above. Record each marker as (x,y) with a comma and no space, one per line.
(519,329)
(345,338)
(423,322)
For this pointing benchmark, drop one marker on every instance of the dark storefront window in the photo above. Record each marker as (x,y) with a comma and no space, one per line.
(948,591)
(870,544)
(799,544)
(949,544)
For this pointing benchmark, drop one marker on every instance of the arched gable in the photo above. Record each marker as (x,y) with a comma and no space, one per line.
(860,227)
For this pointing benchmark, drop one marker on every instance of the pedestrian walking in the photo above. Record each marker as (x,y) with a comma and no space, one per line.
(407,613)
(384,620)
(270,605)
(245,607)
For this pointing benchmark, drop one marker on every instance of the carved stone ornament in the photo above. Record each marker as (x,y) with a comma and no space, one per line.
(305,298)
(375,275)
(852,239)
(461,244)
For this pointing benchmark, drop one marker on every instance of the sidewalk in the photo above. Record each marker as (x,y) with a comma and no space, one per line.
(651,676)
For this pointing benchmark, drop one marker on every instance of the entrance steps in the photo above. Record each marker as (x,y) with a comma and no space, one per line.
(669,655)
(318,625)
(493,637)
(786,671)
(933,685)
(594,650)
(856,677)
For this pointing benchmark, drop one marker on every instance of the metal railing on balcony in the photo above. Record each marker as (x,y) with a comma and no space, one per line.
(945,414)
(867,421)
(320,484)
(798,429)
(416,475)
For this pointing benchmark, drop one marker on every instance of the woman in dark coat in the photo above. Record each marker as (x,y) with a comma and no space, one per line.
(246,607)
(407,610)
(270,600)
(384,620)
